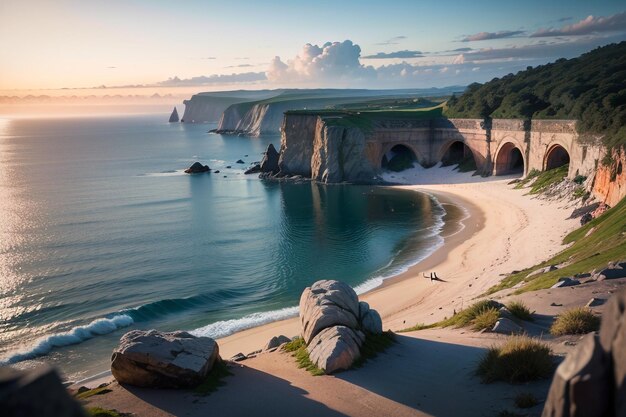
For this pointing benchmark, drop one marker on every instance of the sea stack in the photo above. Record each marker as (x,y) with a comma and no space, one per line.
(174,116)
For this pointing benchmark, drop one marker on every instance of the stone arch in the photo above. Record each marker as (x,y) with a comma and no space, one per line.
(509,160)
(556,157)
(392,150)
(459,152)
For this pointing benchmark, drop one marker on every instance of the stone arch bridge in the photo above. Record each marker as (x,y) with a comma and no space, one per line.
(503,146)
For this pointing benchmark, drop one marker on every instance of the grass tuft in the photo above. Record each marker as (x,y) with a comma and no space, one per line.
(486,319)
(525,400)
(519,310)
(297,348)
(519,359)
(92,392)
(578,320)
(214,380)
(373,345)
(466,316)
(418,326)
(103,412)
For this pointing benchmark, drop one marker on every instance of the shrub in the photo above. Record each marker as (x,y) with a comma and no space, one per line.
(579,179)
(519,359)
(103,412)
(519,310)
(578,320)
(525,400)
(466,317)
(486,319)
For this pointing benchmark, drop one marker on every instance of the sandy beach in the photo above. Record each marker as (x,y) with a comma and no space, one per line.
(505,230)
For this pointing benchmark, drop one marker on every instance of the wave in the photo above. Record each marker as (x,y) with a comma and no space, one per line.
(74,336)
(228,327)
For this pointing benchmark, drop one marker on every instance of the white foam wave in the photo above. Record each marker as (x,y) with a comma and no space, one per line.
(74,336)
(228,327)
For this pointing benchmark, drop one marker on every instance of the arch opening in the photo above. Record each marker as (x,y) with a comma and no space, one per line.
(398,158)
(556,157)
(509,160)
(458,153)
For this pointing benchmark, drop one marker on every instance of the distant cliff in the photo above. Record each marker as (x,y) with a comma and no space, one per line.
(208,107)
(265,117)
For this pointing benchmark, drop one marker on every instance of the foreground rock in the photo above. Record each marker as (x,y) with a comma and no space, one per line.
(163,360)
(592,379)
(276,341)
(197,168)
(335,323)
(336,348)
(35,392)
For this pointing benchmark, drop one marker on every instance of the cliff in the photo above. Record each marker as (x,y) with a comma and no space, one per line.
(208,107)
(609,185)
(316,147)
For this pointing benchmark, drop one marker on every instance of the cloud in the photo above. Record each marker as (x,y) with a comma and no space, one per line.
(483,36)
(613,23)
(245,77)
(333,63)
(397,54)
(240,66)
(393,41)
(565,19)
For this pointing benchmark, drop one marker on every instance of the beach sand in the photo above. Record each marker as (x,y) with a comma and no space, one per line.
(506,230)
(428,372)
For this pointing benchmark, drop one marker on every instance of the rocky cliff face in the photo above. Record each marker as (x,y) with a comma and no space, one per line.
(313,147)
(338,155)
(203,109)
(296,144)
(610,182)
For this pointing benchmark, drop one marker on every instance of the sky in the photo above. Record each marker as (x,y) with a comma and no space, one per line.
(154,45)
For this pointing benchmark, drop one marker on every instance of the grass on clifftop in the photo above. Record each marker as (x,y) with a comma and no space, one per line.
(519,359)
(579,320)
(593,246)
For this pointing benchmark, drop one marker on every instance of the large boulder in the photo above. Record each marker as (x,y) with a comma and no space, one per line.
(592,379)
(269,163)
(325,304)
(369,319)
(163,360)
(335,348)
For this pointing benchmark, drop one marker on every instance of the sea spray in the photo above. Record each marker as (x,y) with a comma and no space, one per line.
(74,336)
(228,327)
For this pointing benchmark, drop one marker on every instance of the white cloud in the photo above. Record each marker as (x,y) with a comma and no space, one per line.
(332,62)
(613,23)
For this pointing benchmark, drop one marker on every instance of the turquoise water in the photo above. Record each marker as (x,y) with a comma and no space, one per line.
(102,232)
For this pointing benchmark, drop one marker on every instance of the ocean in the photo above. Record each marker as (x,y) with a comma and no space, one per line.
(101,232)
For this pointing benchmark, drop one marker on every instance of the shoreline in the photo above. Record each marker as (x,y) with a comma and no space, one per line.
(504,230)
(451,239)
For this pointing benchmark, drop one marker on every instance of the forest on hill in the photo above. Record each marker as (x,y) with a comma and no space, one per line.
(590,88)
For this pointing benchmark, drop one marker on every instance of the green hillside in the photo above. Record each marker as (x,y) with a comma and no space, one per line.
(590,88)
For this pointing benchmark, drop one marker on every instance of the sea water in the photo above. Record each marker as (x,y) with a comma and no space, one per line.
(101,232)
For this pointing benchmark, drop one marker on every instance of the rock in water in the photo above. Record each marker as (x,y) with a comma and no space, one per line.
(335,348)
(269,163)
(325,304)
(174,116)
(163,360)
(197,168)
